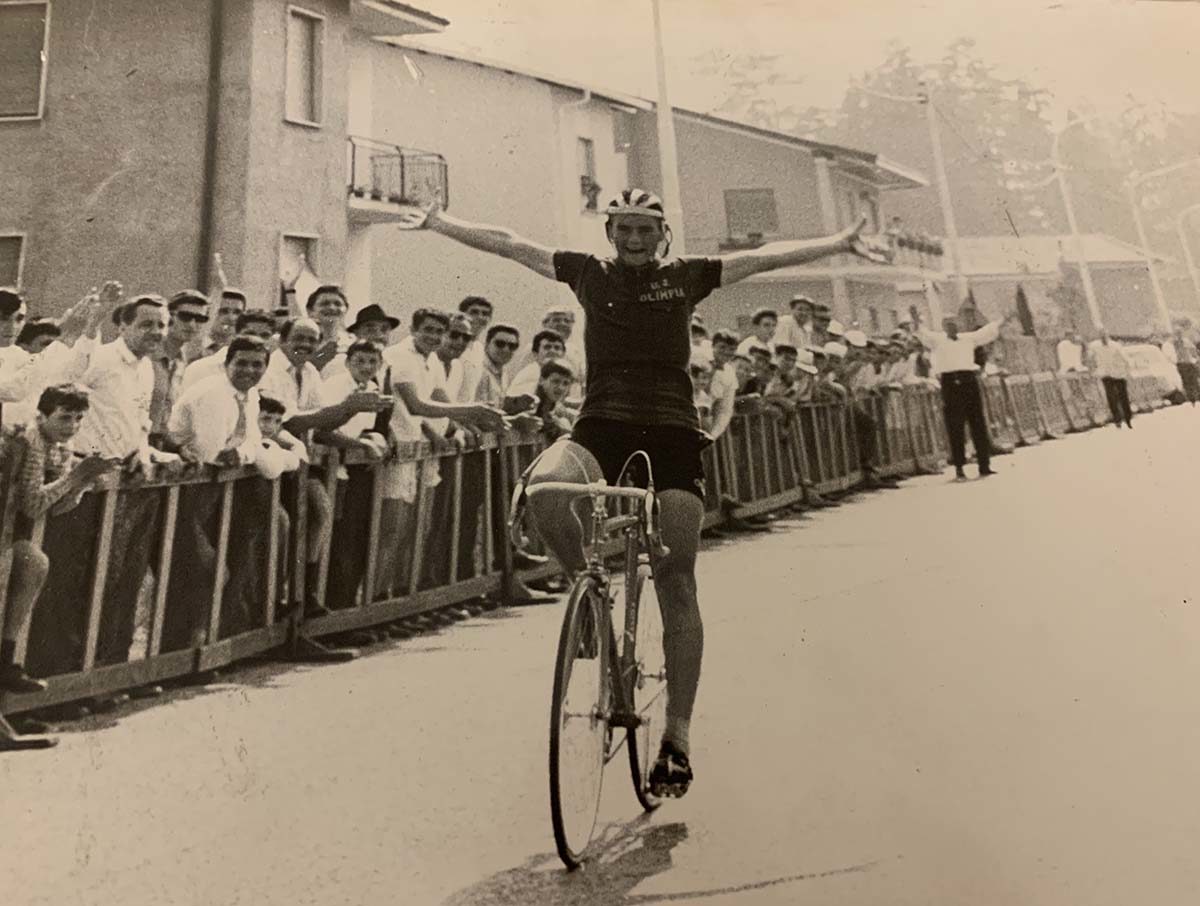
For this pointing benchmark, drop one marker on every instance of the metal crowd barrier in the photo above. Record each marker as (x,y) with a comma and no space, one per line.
(159,578)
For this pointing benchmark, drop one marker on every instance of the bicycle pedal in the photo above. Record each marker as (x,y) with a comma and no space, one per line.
(668,790)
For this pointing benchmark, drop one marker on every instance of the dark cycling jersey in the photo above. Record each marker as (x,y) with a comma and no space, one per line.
(638,334)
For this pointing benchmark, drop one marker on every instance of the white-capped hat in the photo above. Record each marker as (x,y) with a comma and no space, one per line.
(836,329)
(856,338)
(805,361)
(838,350)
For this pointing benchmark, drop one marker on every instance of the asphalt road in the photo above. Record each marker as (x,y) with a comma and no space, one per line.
(981,693)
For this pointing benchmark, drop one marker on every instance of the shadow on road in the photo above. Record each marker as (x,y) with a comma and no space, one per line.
(624,857)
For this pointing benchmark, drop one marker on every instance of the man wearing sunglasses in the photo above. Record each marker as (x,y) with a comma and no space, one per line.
(188,318)
(498,351)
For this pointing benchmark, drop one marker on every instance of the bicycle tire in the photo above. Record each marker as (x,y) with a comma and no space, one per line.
(579,719)
(648,686)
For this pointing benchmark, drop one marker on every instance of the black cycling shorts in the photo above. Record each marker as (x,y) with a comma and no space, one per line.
(674,452)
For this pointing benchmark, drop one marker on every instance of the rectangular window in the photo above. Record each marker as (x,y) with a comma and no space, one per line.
(24,29)
(11,248)
(751,212)
(585,164)
(870,207)
(297,269)
(298,249)
(305,36)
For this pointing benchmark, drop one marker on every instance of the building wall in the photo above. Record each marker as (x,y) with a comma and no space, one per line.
(880,297)
(506,139)
(730,307)
(109,183)
(713,159)
(296,175)
(1126,300)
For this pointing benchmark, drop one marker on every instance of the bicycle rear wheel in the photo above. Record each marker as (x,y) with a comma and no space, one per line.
(648,685)
(580,707)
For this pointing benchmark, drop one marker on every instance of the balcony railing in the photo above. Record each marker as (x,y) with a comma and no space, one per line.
(913,250)
(381,172)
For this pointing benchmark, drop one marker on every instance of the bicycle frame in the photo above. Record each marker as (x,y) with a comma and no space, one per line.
(641,539)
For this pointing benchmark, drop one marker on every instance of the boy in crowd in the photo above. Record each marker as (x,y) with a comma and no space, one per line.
(551,392)
(547,346)
(701,381)
(372,324)
(281,452)
(43,477)
(764,322)
(327,305)
(40,473)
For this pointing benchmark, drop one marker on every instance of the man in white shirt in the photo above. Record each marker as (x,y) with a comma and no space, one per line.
(701,345)
(418,383)
(120,383)
(215,422)
(459,385)
(724,384)
(502,341)
(953,361)
(479,312)
(26,372)
(764,322)
(254,323)
(187,313)
(294,380)
(1112,367)
(796,329)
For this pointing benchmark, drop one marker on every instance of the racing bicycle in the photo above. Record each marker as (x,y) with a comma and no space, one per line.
(610,689)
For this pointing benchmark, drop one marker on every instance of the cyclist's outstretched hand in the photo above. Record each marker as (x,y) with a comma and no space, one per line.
(418,218)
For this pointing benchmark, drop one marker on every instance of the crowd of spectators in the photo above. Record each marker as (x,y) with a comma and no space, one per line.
(805,356)
(126,389)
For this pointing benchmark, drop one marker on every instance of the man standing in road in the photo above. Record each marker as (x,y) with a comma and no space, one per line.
(954,363)
(1112,367)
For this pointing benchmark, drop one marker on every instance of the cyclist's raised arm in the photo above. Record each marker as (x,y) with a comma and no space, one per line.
(493,240)
(773,255)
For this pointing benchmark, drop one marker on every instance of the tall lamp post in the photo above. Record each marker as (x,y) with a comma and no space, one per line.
(924,98)
(1064,189)
(667,157)
(1131,186)
(1180,224)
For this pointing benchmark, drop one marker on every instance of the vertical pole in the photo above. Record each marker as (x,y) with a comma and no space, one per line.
(1131,191)
(1085,270)
(1180,222)
(668,159)
(943,183)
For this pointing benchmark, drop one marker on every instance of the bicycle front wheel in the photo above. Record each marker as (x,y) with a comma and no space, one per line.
(648,684)
(579,714)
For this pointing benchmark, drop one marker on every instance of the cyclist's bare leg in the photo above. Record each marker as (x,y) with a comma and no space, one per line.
(553,516)
(683,632)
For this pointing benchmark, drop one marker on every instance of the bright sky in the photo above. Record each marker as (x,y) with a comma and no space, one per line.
(1101,51)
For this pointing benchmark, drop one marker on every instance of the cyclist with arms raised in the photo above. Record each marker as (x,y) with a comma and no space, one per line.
(637,342)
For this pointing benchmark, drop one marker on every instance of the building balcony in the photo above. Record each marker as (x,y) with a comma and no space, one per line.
(386,181)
